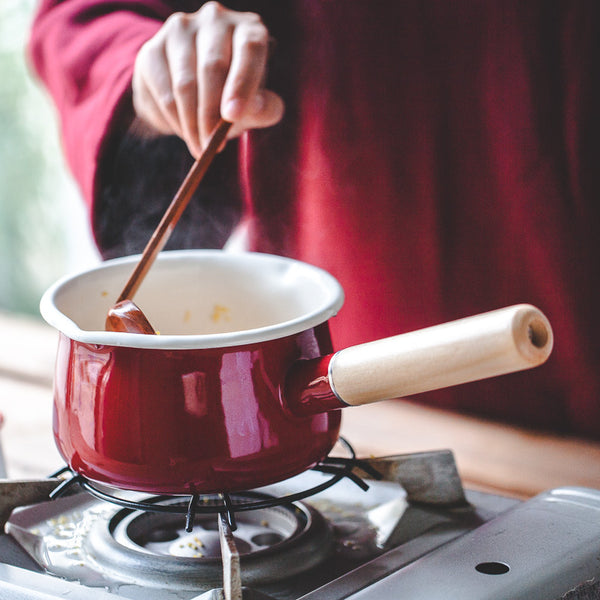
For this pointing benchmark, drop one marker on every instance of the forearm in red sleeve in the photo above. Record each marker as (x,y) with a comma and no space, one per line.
(84,51)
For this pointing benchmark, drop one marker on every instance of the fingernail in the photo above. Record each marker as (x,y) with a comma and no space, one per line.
(258,103)
(232,110)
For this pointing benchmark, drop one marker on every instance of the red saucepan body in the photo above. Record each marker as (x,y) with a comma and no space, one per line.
(240,388)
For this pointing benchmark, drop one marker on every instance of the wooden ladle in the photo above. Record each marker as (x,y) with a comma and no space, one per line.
(124,315)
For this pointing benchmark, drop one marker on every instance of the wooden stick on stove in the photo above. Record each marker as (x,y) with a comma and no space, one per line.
(232,576)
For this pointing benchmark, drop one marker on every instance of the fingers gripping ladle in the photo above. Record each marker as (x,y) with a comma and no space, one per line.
(125,315)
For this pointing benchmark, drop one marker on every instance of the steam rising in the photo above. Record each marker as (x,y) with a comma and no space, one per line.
(139,181)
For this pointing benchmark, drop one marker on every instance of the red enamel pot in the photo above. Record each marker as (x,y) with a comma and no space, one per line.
(241,387)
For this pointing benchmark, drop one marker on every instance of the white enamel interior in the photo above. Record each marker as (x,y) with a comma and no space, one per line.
(197,299)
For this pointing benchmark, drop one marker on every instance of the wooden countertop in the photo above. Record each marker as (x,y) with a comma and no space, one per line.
(490,456)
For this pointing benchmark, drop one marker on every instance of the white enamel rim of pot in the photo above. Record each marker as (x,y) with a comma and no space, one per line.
(197,299)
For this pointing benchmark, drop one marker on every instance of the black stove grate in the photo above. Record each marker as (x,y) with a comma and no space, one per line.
(338,467)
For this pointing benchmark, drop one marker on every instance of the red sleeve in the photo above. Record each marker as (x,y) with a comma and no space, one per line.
(83,51)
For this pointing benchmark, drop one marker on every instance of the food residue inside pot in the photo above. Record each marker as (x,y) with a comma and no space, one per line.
(220,313)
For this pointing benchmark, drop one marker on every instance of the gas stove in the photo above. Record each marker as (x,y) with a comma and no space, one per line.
(414,534)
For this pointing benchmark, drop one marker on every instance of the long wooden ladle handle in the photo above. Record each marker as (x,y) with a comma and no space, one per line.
(175,210)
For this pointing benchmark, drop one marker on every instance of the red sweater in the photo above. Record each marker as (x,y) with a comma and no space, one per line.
(440,159)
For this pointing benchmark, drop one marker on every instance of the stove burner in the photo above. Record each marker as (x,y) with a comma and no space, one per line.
(273,543)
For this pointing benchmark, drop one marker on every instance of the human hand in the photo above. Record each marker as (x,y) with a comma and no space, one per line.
(201,66)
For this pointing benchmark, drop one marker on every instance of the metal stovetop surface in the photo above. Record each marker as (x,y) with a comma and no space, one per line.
(496,548)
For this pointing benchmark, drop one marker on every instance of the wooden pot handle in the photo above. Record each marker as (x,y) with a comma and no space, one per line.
(494,343)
